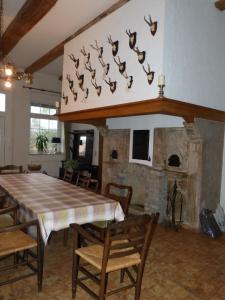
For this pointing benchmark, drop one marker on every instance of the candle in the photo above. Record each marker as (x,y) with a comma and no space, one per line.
(57,104)
(161,80)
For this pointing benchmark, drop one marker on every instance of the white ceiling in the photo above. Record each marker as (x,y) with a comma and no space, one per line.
(65,18)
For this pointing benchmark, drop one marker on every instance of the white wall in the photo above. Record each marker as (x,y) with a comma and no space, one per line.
(194,60)
(18,124)
(130,16)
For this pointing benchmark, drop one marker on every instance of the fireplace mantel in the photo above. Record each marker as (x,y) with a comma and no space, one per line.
(166,106)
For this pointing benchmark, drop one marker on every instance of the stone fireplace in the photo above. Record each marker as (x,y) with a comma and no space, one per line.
(184,154)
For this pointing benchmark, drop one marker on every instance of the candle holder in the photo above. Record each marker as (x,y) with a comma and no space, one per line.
(161,90)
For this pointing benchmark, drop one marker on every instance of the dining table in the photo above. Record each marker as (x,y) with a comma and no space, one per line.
(56,203)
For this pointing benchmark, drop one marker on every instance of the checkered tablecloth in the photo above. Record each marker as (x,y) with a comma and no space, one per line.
(56,203)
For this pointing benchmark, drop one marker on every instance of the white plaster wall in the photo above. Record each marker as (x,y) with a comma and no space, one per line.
(18,123)
(194,60)
(130,16)
(77,126)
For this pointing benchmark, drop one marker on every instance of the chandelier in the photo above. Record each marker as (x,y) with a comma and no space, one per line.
(8,71)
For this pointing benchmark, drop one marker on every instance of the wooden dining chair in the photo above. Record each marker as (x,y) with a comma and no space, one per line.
(8,216)
(125,249)
(11,169)
(120,193)
(68,175)
(14,241)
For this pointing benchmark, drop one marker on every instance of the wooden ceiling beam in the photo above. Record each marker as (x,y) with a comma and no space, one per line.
(220,4)
(59,49)
(27,17)
(164,106)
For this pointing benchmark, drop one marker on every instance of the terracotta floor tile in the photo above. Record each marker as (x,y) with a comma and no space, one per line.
(181,265)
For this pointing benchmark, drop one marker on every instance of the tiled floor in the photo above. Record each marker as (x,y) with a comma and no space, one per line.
(180,266)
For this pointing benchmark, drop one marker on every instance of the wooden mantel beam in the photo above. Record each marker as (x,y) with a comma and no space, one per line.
(164,106)
(220,4)
(59,49)
(28,16)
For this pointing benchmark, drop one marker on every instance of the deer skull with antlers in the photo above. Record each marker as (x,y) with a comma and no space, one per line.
(140,54)
(132,38)
(80,80)
(65,98)
(98,49)
(150,74)
(121,65)
(90,69)
(115,45)
(152,25)
(86,55)
(76,61)
(97,87)
(112,85)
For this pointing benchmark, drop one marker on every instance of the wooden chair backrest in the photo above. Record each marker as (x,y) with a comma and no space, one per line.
(129,237)
(68,175)
(11,169)
(120,193)
(82,180)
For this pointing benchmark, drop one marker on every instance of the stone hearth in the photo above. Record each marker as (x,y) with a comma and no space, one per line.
(191,147)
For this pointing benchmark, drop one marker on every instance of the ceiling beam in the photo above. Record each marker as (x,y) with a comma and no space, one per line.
(59,49)
(220,4)
(27,17)
(164,106)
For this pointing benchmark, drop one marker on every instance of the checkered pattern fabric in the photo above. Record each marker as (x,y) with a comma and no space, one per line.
(57,203)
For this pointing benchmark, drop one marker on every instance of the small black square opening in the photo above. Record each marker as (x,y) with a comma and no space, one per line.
(141,144)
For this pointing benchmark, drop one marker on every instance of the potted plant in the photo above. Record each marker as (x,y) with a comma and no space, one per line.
(41,142)
(71,164)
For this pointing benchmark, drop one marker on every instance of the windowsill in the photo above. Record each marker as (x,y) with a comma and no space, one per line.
(52,154)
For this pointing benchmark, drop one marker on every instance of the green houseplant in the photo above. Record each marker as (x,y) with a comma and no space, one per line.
(41,142)
(71,164)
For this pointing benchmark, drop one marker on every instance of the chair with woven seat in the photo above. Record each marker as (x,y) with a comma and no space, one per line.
(8,216)
(120,193)
(13,241)
(11,169)
(124,249)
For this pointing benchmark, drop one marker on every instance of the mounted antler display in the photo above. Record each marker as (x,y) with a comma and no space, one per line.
(97,87)
(89,68)
(150,74)
(121,65)
(76,61)
(86,93)
(152,25)
(105,66)
(112,85)
(115,45)
(65,98)
(132,38)
(98,49)
(80,80)
(140,54)
(86,55)
(69,81)
(74,94)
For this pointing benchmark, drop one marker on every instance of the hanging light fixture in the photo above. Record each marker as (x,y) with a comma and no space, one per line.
(8,71)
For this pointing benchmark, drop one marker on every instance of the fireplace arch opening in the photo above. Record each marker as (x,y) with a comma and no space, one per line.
(174,161)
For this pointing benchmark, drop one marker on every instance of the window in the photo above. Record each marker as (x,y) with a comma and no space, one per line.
(141,147)
(2,102)
(43,121)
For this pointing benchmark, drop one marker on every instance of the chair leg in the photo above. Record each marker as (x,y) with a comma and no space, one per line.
(65,236)
(103,286)
(138,282)
(75,268)
(40,259)
(122,274)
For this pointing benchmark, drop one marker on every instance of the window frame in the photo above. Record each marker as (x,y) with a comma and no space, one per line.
(40,116)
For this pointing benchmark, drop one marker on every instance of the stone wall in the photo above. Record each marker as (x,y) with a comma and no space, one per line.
(198,176)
